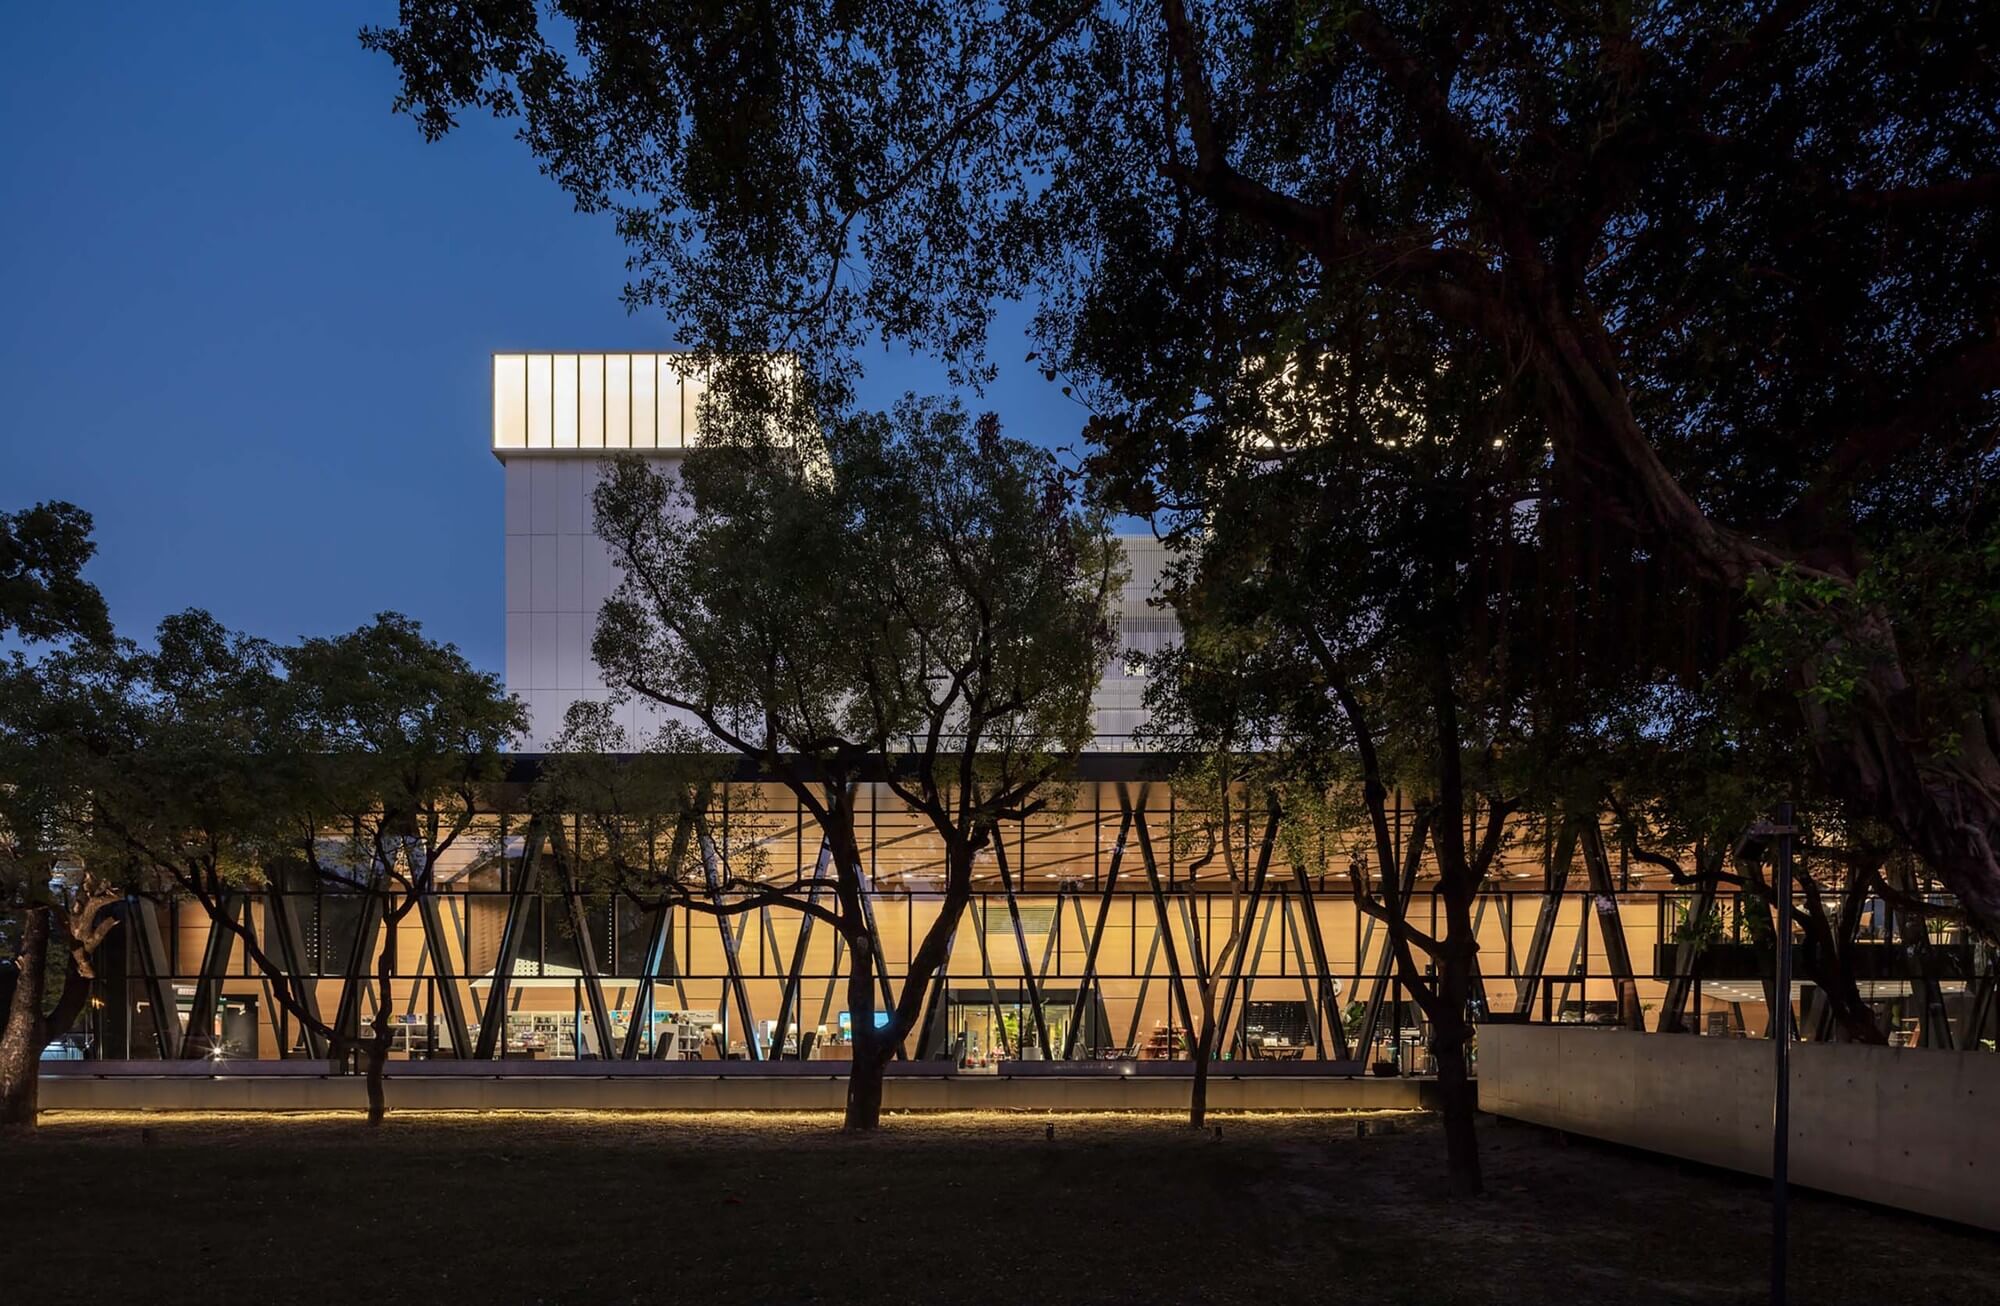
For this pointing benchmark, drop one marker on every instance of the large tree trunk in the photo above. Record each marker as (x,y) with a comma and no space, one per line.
(1948,809)
(1457,1103)
(378,1045)
(871,1050)
(21,1043)
(1851,1012)
(1829,964)
(1204,1052)
(864,1090)
(378,1060)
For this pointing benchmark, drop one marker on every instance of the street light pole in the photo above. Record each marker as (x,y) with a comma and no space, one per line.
(1781,1037)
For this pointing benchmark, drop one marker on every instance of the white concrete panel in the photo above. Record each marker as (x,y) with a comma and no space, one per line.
(572,516)
(517,651)
(544,574)
(543,485)
(569,651)
(515,474)
(518,549)
(569,573)
(542,640)
(597,573)
(545,717)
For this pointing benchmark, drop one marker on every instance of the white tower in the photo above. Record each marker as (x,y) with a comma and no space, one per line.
(556,417)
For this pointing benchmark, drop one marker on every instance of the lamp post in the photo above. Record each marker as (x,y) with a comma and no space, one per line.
(1779,836)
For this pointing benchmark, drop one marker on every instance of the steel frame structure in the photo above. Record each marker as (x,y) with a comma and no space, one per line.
(1055,975)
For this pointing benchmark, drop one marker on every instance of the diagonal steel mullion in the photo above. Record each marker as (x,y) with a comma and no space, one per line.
(279,1025)
(1575,970)
(733,981)
(985,909)
(1478,976)
(1329,1002)
(1096,937)
(512,934)
(1978,1011)
(586,946)
(1314,1001)
(1021,943)
(1139,1003)
(1385,965)
(208,982)
(150,946)
(437,947)
(1555,882)
(1086,985)
(458,932)
(659,922)
(940,990)
(1049,946)
(1165,935)
(1611,926)
(833,978)
(1249,922)
(865,890)
(288,940)
(1049,939)
(1681,984)
(355,987)
(788,996)
(1249,974)
(659,942)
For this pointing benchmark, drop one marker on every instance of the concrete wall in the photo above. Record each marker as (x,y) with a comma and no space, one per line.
(573,1092)
(1905,1127)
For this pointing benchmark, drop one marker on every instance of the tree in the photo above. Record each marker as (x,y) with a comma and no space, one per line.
(405,746)
(1684,781)
(1215,790)
(911,599)
(54,903)
(43,594)
(360,760)
(1329,578)
(1742,267)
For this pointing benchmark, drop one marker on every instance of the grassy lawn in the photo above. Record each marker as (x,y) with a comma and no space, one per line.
(968,1208)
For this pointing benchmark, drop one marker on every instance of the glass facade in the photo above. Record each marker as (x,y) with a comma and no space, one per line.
(1080,951)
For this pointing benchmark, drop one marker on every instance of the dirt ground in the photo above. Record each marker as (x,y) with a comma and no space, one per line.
(963,1208)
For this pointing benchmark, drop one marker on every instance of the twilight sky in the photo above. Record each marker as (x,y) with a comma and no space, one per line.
(248,313)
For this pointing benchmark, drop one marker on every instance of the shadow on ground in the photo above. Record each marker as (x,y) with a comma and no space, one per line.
(965,1209)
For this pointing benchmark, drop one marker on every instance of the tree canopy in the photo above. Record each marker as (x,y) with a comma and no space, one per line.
(911,598)
(1728,272)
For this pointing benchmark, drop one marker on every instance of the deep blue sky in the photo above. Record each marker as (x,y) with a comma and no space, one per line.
(247,314)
